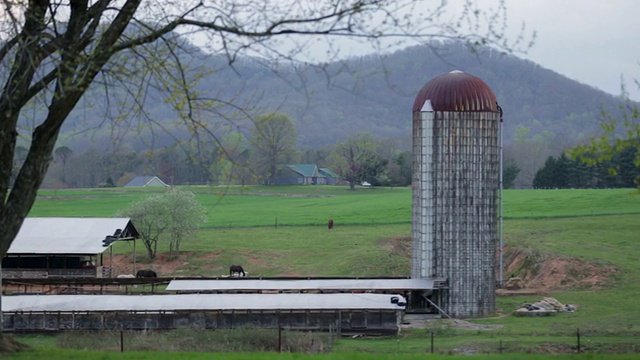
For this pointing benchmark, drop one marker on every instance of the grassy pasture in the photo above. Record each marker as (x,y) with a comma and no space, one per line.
(315,205)
(248,206)
(599,226)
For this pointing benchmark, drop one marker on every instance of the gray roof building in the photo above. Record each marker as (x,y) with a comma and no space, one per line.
(50,303)
(64,247)
(67,236)
(143,181)
(194,285)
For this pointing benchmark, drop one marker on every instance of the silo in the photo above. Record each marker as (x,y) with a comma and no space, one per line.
(456,150)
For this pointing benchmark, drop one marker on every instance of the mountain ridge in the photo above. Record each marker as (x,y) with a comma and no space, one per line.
(375,94)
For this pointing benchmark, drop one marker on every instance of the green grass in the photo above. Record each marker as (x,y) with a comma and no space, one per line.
(63,354)
(520,204)
(255,206)
(300,251)
(315,205)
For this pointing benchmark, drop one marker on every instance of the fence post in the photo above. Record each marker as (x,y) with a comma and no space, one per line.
(279,338)
(121,341)
(578,336)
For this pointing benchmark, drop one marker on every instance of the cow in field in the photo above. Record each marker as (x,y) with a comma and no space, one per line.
(330,224)
(237,271)
(146,274)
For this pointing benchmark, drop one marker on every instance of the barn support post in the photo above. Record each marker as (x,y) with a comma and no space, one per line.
(110,260)
(1,293)
(501,244)
(134,256)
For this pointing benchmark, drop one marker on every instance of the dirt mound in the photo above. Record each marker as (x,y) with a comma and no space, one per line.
(549,272)
(399,245)
(162,265)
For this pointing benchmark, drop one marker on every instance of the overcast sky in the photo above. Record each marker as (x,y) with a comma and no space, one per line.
(591,41)
(595,42)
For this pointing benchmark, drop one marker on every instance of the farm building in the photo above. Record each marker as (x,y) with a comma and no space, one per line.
(145,181)
(304,174)
(380,313)
(456,125)
(65,247)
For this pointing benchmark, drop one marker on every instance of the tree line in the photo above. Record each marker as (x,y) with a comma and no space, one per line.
(563,172)
(259,157)
(255,158)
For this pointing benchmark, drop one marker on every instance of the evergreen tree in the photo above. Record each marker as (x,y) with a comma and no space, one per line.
(509,174)
(544,176)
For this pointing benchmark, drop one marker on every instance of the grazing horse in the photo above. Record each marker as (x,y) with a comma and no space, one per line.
(236,270)
(146,274)
(330,224)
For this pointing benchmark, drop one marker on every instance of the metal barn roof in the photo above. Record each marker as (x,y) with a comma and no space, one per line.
(456,91)
(306,284)
(145,181)
(327,172)
(305,169)
(81,236)
(77,303)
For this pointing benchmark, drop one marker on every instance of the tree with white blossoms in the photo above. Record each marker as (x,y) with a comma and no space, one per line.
(175,214)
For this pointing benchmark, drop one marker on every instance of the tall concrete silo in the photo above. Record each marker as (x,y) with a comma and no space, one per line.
(456,150)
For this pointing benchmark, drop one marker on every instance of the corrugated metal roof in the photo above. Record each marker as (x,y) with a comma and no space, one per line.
(305,169)
(66,235)
(310,284)
(146,181)
(328,172)
(457,91)
(66,303)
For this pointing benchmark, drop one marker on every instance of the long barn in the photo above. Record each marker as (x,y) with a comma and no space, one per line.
(378,313)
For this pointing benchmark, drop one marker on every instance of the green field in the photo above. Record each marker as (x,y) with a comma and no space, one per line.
(301,206)
(282,231)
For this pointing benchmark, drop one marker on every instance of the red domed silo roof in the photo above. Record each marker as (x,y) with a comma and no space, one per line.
(457,91)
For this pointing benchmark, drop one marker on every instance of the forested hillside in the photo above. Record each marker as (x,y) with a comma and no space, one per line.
(545,113)
(376,94)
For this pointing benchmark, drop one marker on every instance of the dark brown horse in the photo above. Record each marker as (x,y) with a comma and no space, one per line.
(330,224)
(146,274)
(236,270)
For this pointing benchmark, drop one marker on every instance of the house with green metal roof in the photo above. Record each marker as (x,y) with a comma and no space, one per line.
(331,177)
(304,174)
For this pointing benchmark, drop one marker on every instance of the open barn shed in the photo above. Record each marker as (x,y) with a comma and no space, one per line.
(362,313)
(65,247)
